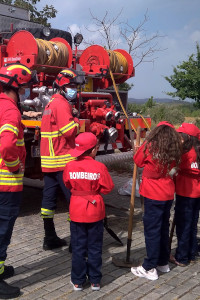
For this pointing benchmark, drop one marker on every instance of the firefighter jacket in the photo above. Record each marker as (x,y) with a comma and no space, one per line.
(188,178)
(156,184)
(87,179)
(58,131)
(12,148)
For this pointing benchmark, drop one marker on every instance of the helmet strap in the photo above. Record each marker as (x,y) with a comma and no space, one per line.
(18,102)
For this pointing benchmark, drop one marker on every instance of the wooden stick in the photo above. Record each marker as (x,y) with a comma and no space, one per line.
(132,202)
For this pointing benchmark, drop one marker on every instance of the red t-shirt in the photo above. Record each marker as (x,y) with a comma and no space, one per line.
(188,178)
(156,184)
(86,174)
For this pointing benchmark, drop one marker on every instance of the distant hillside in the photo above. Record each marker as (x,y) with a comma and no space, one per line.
(158,100)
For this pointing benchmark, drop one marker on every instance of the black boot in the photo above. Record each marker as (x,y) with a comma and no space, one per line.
(8,291)
(51,240)
(8,272)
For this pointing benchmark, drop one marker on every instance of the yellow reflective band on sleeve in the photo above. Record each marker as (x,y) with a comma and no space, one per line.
(19,67)
(56,161)
(12,164)
(60,132)
(20,142)
(68,127)
(10,128)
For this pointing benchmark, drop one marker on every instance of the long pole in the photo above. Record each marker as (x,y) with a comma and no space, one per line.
(132,203)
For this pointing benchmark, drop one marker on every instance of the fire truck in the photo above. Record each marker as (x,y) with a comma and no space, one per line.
(48,51)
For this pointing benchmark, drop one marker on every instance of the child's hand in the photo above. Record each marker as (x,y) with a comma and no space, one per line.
(136,148)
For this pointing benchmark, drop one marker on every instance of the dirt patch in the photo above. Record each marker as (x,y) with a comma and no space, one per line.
(191,119)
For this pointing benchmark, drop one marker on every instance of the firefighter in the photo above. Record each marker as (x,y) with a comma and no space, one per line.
(13,80)
(58,131)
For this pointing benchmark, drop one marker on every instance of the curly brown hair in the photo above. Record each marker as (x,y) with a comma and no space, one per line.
(164,144)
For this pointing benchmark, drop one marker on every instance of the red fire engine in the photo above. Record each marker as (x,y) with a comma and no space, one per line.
(49,51)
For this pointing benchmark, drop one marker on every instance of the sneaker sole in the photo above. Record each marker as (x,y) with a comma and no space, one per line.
(95,289)
(76,289)
(142,275)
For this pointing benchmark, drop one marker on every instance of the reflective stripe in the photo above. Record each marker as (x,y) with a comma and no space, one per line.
(20,142)
(8,178)
(12,164)
(47,213)
(68,127)
(60,132)
(56,161)
(19,67)
(2,267)
(51,134)
(10,128)
(51,150)
(6,173)
(68,218)
(11,181)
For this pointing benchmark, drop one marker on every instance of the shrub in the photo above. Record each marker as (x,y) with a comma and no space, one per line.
(197,123)
(166,113)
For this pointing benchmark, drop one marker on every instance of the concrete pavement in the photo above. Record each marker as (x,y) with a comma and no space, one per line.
(45,275)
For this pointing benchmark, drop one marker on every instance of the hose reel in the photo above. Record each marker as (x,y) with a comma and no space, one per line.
(95,58)
(23,47)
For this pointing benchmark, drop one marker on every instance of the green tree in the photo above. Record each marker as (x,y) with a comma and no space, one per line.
(186,78)
(125,86)
(150,103)
(42,16)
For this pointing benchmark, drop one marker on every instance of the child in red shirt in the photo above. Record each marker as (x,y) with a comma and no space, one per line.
(87,179)
(187,196)
(158,155)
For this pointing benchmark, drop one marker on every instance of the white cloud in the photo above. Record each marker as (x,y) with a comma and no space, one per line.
(195,36)
(178,21)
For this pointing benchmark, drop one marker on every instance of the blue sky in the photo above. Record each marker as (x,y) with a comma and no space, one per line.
(177,21)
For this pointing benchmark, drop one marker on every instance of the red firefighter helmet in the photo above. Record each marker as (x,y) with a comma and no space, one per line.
(69,76)
(17,75)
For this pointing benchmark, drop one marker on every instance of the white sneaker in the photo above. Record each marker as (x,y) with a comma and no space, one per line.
(95,286)
(163,269)
(77,287)
(141,272)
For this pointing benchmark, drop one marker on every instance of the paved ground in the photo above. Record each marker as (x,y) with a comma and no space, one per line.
(46,274)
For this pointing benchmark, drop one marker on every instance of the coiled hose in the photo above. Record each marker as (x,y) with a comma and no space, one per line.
(52,53)
(118,63)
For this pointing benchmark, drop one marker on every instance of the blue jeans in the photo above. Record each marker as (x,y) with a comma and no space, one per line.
(86,240)
(156,232)
(186,220)
(52,181)
(9,211)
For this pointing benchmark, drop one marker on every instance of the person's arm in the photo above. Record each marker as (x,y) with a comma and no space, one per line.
(105,181)
(66,177)
(139,157)
(66,123)
(8,134)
